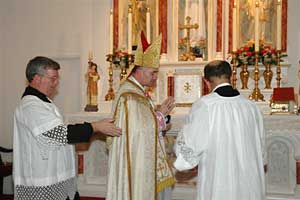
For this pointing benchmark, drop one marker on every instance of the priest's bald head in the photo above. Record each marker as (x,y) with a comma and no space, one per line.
(217,72)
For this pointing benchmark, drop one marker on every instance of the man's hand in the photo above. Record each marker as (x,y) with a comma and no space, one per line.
(167,106)
(106,127)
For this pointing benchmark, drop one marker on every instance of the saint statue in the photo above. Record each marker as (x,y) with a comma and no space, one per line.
(92,78)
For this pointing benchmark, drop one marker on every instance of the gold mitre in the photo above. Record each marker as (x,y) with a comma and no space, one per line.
(148,55)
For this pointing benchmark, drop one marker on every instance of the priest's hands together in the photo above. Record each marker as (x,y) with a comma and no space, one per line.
(106,127)
(167,106)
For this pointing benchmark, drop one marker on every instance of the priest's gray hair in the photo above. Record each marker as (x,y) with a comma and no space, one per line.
(39,65)
(217,68)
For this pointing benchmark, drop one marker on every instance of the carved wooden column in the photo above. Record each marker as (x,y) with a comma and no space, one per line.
(163,25)
(297,187)
(116,23)
(171,83)
(219,25)
(80,149)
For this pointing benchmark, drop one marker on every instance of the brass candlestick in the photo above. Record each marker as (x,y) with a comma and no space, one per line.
(123,73)
(256,94)
(124,68)
(234,66)
(278,69)
(110,93)
(244,74)
(268,75)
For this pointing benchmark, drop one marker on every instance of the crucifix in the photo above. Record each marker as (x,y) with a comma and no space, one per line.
(188,55)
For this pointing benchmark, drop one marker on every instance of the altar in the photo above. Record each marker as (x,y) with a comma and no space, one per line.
(183,58)
(282,144)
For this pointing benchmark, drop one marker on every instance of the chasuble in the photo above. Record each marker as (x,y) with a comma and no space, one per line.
(138,167)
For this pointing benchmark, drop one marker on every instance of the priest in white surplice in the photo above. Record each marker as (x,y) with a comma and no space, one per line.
(224,136)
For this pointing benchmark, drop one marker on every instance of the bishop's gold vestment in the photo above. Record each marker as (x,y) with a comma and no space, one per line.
(138,167)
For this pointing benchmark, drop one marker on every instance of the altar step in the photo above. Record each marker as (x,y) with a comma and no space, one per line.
(282,197)
(189,193)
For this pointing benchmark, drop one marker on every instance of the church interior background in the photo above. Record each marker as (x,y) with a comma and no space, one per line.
(74,32)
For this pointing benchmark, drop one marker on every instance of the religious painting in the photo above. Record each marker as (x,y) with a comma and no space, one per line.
(187,88)
(197,11)
(267,21)
(268,31)
(139,11)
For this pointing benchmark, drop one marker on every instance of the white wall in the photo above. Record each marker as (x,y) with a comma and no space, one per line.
(2,138)
(63,30)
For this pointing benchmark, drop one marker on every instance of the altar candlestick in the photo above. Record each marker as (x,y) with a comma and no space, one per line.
(111,33)
(234,27)
(278,41)
(148,24)
(256,36)
(129,30)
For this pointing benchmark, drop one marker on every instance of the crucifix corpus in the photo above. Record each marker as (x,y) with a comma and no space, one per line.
(188,55)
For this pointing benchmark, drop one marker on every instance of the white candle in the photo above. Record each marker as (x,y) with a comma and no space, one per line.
(111,33)
(256,26)
(90,55)
(148,24)
(129,31)
(234,28)
(278,31)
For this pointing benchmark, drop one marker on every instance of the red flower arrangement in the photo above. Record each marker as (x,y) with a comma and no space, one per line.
(246,55)
(266,54)
(120,58)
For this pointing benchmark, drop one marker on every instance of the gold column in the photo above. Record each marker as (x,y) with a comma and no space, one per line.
(278,69)
(256,94)
(234,66)
(124,68)
(110,93)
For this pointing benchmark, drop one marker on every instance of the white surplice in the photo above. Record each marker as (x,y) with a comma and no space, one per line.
(225,137)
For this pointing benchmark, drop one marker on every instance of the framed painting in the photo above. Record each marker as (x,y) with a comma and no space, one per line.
(267,22)
(139,10)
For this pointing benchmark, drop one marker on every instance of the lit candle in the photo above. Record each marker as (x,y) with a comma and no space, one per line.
(278,41)
(256,26)
(234,27)
(148,24)
(111,33)
(129,30)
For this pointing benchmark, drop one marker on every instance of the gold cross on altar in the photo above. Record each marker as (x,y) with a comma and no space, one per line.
(188,55)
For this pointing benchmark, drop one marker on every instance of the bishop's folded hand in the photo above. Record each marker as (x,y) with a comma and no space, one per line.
(167,106)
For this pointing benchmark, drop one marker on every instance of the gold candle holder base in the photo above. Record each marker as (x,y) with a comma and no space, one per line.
(256,94)
(110,93)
